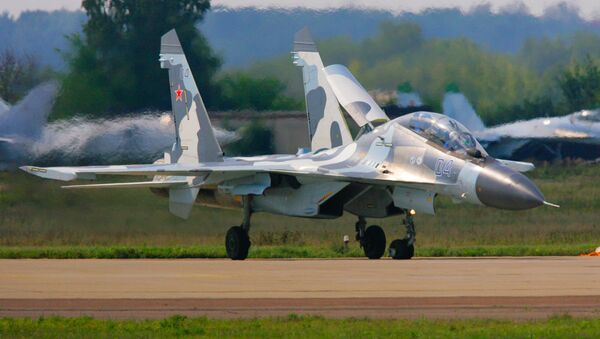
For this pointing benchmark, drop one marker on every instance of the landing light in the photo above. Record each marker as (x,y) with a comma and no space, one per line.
(412,212)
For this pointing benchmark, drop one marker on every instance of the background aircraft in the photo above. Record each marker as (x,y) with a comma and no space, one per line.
(22,123)
(4,107)
(397,168)
(27,136)
(576,135)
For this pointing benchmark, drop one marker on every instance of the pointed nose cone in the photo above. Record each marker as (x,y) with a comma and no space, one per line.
(501,187)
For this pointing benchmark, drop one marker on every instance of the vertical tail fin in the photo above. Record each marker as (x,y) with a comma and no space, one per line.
(353,96)
(4,107)
(195,138)
(326,125)
(458,107)
(28,117)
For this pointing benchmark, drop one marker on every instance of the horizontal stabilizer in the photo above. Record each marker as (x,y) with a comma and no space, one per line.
(139,184)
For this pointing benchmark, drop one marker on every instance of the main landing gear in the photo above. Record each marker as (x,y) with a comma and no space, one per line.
(237,241)
(372,239)
(404,248)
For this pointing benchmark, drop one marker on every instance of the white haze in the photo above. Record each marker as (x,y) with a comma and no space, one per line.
(27,138)
(135,138)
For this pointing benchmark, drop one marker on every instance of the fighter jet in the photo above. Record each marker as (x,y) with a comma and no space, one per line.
(393,168)
(22,123)
(574,135)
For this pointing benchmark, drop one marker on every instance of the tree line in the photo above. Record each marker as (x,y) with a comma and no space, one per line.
(112,67)
(546,77)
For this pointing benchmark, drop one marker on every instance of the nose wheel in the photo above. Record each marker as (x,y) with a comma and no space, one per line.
(237,241)
(372,239)
(404,248)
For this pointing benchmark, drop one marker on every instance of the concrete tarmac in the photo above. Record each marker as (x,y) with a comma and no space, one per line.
(515,288)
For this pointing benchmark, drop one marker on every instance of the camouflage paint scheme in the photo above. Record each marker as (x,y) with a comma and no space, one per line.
(327,127)
(389,170)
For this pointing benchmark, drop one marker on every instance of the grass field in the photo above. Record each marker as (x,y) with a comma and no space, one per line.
(297,327)
(39,219)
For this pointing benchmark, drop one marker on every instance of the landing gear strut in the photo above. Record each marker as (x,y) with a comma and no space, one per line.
(404,248)
(372,239)
(237,241)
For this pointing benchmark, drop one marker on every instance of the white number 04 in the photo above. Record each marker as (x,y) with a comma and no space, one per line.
(443,167)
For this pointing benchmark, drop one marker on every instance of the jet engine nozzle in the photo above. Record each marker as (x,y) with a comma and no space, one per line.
(501,187)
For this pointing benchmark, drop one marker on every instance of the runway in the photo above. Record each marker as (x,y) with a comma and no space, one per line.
(515,288)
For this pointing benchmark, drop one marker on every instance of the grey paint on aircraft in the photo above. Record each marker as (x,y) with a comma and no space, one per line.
(315,101)
(499,186)
(303,41)
(336,134)
(180,78)
(169,43)
(359,107)
(214,152)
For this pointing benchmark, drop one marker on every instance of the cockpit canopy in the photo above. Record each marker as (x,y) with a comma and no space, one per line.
(442,130)
(587,116)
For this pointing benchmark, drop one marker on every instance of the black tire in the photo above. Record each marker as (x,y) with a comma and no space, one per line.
(400,249)
(237,243)
(374,242)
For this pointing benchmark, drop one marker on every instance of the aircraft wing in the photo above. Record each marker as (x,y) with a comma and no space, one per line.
(90,172)
(228,170)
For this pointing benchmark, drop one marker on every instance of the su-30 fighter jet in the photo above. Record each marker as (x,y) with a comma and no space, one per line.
(576,135)
(395,168)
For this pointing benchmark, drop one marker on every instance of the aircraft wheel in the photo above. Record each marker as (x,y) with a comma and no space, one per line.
(374,242)
(400,249)
(237,243)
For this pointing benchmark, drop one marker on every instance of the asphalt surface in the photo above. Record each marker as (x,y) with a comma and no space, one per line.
(512,288)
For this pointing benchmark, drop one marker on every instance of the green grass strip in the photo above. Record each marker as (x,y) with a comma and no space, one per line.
(213,251)
(295,326)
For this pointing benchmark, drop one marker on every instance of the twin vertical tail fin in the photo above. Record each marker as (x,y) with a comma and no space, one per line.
(194,136)
(456,106)
(195,139)
(326,124)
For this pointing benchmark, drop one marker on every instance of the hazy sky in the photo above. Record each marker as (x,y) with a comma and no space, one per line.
(589,9)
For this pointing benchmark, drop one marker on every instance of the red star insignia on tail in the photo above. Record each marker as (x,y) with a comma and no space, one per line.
(178,93)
